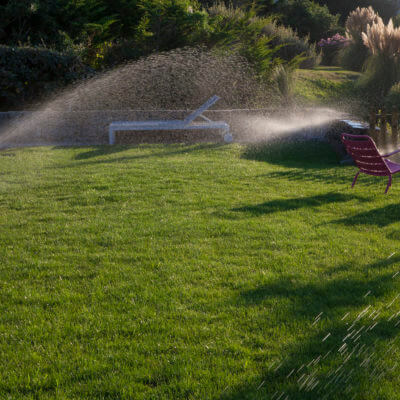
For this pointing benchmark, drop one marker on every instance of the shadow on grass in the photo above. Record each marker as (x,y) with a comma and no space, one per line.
(311,154)
(311,161)
(379,217)
(378,265)
(308,299)
(99,151)
(317,365)
(296,203)
(340,175)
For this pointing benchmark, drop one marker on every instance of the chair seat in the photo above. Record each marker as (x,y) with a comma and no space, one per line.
(394,167)
(365,154)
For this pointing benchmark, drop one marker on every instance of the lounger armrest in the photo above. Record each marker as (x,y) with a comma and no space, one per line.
(205,118)
(191,117)
(390,154)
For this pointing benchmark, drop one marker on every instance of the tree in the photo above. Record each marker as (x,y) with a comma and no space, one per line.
(308,18)
(385,8)
(27,22)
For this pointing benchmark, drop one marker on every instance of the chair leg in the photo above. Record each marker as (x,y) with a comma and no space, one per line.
(389,184)
(111,136)
(227,136)
(355,179)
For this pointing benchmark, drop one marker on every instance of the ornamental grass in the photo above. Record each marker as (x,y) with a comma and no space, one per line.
(358,21)
(355,54)
(382,69)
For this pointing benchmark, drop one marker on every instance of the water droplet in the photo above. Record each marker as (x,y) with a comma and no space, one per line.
(290,374)
(345,316)
(326,337)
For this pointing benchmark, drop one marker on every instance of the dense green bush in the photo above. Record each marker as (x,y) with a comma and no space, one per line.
(26,72)
(353,56)
(308,18)
(105,34)
(381,73)
(25,21)
(267,5)
(291,45)
(386,8)
(392,99)
(260,39)
(241,31)
(152,25)
(331,47)
(147,26)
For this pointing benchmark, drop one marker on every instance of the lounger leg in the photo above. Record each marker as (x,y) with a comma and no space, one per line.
(389,184)
(355,179)
(227,136)
(111,136)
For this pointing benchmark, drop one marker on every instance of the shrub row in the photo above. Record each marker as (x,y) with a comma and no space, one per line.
(26,73)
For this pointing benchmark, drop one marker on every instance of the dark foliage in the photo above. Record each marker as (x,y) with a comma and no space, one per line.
(385,8)
(34,23)
(25,72)
(308,18)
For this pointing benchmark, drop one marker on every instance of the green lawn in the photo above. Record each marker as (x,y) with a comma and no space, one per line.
(328,86)
(196,272)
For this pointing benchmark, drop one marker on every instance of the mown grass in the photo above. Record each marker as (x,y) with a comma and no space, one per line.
(328,86)
(193,272)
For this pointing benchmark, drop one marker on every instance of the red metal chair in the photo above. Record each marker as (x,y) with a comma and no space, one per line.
(365,154)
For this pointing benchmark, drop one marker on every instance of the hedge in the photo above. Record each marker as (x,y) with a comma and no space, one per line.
(28,73)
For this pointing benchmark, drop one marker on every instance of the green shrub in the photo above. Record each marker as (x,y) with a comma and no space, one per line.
(385,8)
(261,40)
(291,45)
(25,73)
(284,78)
(33,22)
(353,56)
(381,73)
(146,27)
(241,31)
(330,48)
(392,100)
(308,18)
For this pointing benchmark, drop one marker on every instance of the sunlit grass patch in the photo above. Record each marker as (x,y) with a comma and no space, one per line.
(185,272)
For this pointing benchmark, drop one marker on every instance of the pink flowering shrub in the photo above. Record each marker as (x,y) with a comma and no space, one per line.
(331,46)
(337,40)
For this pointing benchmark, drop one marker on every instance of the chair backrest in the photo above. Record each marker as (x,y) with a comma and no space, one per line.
(365,154)
(191,117)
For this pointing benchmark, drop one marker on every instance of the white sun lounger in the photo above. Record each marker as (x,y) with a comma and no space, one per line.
(187,124)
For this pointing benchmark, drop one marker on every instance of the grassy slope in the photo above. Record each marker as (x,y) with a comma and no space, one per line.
(327,86)
(185,272)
